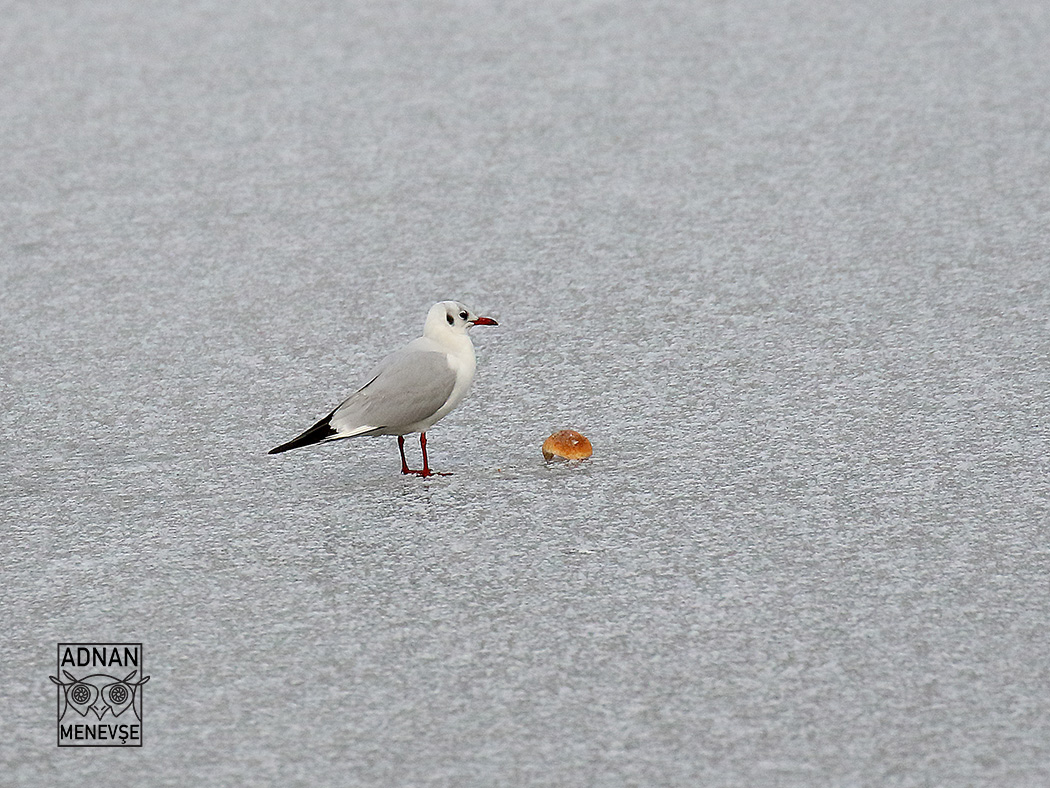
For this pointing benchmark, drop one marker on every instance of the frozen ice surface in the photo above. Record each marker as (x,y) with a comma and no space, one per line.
(786,265)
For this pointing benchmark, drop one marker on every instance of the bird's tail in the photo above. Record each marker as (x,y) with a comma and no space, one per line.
(321,431)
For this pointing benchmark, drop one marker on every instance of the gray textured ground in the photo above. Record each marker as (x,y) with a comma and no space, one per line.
(785,264)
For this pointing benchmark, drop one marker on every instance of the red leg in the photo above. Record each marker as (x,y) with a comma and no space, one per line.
(401,448)
(423,446)
(426,465)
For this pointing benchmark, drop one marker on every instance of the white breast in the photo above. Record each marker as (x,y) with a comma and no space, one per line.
(462,362)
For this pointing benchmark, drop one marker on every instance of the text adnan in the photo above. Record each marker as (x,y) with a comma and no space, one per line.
(100,657)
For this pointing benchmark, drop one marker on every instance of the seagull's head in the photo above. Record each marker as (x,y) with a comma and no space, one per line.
(452,317)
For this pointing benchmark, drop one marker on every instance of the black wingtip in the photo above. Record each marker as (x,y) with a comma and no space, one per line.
(322,430)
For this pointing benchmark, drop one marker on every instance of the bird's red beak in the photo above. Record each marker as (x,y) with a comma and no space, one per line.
(485,321)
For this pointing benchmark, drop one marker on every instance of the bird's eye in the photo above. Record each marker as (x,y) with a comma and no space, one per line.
(80,694)
(451,320)
(118,693)
(463,315)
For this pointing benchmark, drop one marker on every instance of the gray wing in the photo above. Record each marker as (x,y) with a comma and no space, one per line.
(407,387)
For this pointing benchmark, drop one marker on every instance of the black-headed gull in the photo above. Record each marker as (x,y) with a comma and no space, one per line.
(411,389)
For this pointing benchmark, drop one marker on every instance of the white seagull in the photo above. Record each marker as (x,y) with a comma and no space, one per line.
(411,389)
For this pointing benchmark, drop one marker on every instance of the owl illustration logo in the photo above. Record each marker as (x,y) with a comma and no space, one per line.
(100,693)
